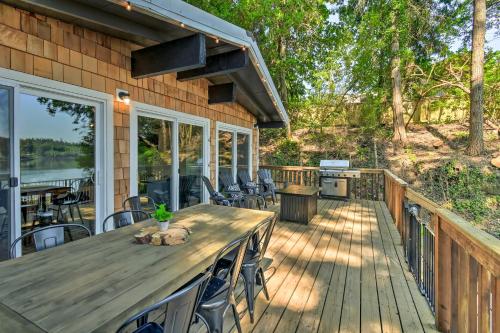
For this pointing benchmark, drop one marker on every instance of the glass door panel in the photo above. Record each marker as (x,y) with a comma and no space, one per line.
(57,161)
(225,158)
(154,157)
(243,152)
(6,224)
(190,164)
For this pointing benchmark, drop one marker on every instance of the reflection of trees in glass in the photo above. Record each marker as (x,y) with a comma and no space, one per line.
(190,146)
(242,151)
(83,119)
(154,148)
(225,148)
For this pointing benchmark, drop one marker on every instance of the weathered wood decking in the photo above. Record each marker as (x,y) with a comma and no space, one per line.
(344,272)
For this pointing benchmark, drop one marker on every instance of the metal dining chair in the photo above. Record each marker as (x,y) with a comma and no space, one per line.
(47,237)
(177,311)
(124,218)
(139,202)
(219,294)
(70,200)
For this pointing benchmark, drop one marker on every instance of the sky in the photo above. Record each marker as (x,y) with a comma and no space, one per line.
(36,122)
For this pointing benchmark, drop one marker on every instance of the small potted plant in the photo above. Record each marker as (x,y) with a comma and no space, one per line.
(163,216)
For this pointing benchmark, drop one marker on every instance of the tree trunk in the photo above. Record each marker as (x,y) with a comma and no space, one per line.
(283,90)
(399,136)
(476,146)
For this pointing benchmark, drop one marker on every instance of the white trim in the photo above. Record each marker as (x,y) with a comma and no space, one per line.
(152,111)
(34,85)
(235,130)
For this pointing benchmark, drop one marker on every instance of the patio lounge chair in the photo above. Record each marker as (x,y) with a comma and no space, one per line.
(217,198)
(267,183)
(234,190)
(47,237)
(250,187)
(177,311)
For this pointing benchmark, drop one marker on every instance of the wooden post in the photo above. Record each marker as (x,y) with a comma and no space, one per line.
(443,285)
(484,300)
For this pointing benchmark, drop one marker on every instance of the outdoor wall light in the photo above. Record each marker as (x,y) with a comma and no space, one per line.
(128,6)
(123,96)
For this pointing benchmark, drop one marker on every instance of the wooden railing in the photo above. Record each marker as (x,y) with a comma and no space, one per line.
(459,261)
(370,186)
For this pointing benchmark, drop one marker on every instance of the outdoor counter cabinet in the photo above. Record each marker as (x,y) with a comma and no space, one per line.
(95,284)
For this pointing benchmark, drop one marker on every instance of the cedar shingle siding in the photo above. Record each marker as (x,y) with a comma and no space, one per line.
(53,49)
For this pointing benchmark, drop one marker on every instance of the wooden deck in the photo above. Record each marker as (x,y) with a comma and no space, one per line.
(344,272)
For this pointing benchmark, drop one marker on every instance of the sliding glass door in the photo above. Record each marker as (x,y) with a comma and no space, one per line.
(234,151)
(57,143)
(154,159)
(6,174)
(191,165)
(169,156)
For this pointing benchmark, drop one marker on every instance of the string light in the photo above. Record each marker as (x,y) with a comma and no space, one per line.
(129,6)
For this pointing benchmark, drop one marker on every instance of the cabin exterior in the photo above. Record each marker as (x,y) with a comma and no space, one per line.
(198,81)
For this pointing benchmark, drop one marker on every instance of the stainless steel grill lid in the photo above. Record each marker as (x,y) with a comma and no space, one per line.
(334,164)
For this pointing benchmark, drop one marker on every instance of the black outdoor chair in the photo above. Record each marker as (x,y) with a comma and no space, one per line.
(219,295)
(70,200)
(250,187)
(176,311)
(47,237)
(139,202)
(217,198)
(233,189)
(267,184)
(124,218)
(185,186)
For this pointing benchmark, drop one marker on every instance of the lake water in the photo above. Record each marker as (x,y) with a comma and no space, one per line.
(37,175)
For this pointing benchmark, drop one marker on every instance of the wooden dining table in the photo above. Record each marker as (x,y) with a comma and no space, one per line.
(95,284)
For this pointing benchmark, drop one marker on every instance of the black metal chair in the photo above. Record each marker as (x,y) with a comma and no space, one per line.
(70,200)
(219,295)
(249,186)
(268,188)
(177,310)
(217,198)
(47,237)
(139,202)
(124,218)
(252,269)
(233,189)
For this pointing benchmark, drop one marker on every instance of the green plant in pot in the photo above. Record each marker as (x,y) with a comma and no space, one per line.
(163,216)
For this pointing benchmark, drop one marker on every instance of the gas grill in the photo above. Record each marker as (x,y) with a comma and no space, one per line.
(335,177)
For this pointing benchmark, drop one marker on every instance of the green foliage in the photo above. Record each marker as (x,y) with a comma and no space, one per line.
(466,189)
(287,153)
(161,214)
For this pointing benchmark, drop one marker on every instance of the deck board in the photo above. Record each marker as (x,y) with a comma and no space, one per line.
(344,272)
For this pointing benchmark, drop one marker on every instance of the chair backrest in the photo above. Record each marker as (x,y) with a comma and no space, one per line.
(209,186)
(138,202)
(233,271)
(226,178)
(244,176)
(265,178)
(124,218)
(47,237)
(177,309)
(262,241)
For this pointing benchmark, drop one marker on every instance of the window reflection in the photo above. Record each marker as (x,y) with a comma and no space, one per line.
(225,158)
(243,161)
(57,152)
(190,164)
(155,159)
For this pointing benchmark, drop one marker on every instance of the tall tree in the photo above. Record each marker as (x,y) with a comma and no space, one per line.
(399,135)
(476,145)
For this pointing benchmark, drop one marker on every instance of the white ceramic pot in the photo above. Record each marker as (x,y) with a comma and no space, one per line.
(164,225)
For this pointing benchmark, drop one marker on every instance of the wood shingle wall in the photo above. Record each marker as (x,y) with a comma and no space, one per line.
(57,50)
